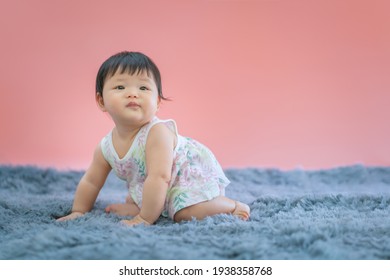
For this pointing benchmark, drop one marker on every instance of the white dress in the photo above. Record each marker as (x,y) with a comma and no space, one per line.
(196,174)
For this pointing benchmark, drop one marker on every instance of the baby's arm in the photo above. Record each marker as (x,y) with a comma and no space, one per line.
(89,186)
(159,159)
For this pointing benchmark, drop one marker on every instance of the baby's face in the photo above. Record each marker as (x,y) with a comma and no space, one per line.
(130,98)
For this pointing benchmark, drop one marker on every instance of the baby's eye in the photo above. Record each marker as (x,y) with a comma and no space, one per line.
(144,88)
(119,87)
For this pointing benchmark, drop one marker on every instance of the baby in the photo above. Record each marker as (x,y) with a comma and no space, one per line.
(166,174)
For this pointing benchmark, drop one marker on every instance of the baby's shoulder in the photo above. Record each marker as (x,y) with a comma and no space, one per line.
(161,132)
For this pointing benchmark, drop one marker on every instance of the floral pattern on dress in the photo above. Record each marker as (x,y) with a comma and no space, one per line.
(196,174)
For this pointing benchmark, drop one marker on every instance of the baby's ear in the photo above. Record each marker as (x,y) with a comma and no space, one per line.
(100,101)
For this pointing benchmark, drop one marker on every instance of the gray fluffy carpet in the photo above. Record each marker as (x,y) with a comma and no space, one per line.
(340,213)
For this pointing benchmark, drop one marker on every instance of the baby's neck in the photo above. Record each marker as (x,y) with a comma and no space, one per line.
(125,133)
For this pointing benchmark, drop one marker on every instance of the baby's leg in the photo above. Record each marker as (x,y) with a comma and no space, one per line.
(218,205)
(124,209)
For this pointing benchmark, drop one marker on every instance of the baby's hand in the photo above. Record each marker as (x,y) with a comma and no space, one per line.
(71,216)
(137,220)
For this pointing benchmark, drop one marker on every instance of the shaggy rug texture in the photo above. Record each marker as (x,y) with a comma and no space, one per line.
(340,213)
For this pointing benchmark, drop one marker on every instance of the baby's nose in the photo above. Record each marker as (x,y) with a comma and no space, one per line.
(132,93)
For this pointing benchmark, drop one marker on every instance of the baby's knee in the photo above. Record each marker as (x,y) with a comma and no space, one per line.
(129,200)
(182,215)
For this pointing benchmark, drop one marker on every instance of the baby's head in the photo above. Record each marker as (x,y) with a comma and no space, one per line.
(132,63)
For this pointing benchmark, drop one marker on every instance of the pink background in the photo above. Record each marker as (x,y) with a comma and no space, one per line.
(263,83)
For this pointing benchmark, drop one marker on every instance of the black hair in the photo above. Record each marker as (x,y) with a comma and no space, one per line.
(131,62)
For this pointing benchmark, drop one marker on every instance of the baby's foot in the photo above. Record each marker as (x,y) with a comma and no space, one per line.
(123,209)
(242,211)
(137,220)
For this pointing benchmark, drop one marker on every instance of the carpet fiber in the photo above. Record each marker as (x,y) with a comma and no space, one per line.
(340,213)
